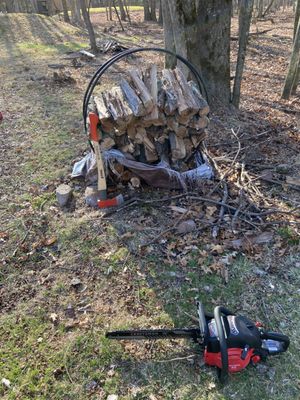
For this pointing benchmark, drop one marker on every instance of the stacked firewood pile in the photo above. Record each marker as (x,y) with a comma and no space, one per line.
(152,117)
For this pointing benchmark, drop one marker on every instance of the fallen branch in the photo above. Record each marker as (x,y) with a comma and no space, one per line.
(216,228)
(235,38)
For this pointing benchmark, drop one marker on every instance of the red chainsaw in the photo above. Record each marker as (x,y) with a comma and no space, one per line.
(230,342)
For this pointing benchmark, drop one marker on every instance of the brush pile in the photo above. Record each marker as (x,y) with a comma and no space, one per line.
(153,117)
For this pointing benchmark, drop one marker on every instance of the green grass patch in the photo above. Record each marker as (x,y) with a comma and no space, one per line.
(36,49)
(289,235)
(95,10)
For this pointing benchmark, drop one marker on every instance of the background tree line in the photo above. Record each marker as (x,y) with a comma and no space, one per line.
(185,22)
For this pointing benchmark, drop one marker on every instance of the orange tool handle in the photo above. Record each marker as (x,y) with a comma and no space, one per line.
(94,120)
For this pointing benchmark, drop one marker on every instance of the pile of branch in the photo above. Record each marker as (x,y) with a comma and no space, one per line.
(153,117)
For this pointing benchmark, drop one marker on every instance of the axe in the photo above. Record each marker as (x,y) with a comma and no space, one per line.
(103,201)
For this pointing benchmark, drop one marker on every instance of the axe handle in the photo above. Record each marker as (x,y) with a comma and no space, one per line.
(94,136)
(100,167)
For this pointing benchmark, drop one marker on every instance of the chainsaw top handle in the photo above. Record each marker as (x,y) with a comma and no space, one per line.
(222,372)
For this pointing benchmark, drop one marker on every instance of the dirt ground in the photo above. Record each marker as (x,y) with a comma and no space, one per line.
(132,268)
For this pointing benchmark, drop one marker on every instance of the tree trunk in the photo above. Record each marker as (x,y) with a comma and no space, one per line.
(201,32)
(293,67)
(65,10)
(245,15)
(75,12)
(89,26)
(297,17)
(296,80)
(9,6)
(170,62)
(147,14)
(160,15)
(153,10)
(260,10)
(268,8)
(110,10)
(122,10)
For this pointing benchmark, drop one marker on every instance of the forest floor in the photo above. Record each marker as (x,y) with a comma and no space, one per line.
(52,343)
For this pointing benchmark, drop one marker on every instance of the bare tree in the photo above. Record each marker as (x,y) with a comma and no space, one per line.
(292,74)
(75,12)
(160,15)
(65,11)
(200,31)
(122,10)
(153,10)
(297,16)
(147,14)
(245,15)
(89,26)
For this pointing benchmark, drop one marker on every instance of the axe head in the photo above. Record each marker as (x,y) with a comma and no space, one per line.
(114,202)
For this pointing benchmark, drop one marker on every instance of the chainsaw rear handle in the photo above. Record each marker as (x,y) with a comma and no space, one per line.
(222,372)
(277,337)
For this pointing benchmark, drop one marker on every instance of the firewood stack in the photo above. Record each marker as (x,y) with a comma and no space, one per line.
(153,118)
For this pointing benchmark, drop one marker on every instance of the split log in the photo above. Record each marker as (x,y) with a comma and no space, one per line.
(187,91)
(118,107)
(134,102)
(177,147)
(104,115)
(163,148)
(150,79)
(107,142)
(199,123)
(151,155)
(202,103)
(142,90)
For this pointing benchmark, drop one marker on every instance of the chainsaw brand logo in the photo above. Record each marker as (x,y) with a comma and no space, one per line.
(232,325)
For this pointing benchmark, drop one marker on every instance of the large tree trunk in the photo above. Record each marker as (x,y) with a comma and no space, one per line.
(245,15)
(201,32)
(89,26)
(293,67)
(65,10)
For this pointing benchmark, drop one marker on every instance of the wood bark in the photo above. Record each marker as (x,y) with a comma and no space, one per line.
(147,14)
(153,10)
(65,11)
(297,16)
(160,13)
(293,66)
(75,12)
(200,31)
(134,119)
(245,15)
(296,80)
(122,10)
(89,26)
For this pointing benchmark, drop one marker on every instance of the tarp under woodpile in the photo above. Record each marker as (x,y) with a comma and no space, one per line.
(153,125)
(159,175)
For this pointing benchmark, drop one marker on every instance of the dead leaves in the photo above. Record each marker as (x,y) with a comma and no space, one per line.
(248,242)
(49,241)
(4,236)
